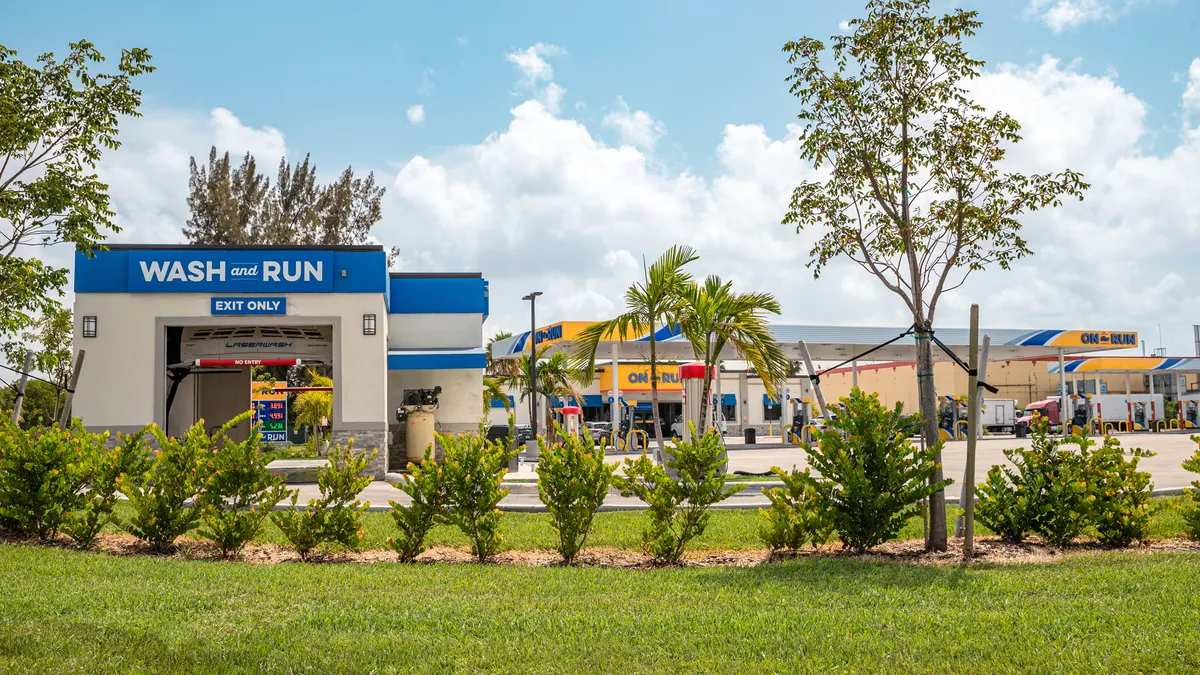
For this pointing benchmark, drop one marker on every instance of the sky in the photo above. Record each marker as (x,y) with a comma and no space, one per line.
(553,146)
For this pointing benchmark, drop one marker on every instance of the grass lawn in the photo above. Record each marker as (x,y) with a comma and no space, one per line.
(64,611)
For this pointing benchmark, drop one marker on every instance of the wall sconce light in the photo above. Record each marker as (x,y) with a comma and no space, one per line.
(89,326)
(368,324)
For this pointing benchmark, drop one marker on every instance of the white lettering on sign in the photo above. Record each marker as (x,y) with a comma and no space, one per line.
(197,270)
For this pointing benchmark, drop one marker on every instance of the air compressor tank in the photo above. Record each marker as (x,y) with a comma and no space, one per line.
(418,434)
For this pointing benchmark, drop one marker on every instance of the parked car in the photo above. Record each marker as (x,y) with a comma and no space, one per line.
(524,433)
(677,427)
(600,431)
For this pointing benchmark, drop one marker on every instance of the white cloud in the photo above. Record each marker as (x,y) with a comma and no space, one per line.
(1062,14)
(462,41)
(416,114)
(551,97)
(532,62)
(426,87)
(635,127)
(545,204)
(1191,95)
(844,25)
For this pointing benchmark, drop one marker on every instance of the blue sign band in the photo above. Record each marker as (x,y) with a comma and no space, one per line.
(245,306)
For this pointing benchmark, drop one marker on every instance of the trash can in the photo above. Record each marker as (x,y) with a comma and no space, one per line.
(749,435)
(1021,429)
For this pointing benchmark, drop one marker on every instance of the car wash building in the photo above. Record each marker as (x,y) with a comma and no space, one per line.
(173,332)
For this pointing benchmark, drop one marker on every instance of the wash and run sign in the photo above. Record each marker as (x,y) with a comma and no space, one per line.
(249,306)
(237,271)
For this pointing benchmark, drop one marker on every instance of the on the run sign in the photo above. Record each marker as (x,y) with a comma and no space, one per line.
(209,271)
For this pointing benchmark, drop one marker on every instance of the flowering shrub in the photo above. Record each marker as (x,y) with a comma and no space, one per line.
(1191,514)
(163,497)
(872,477)
(336,517)
(473,471)
(1059,487)
(238,494)
(678,506)
(796,517)
(426,485)
(573,480)
(106,468)
(42,473)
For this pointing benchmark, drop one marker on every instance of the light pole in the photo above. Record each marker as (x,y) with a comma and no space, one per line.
(533,406)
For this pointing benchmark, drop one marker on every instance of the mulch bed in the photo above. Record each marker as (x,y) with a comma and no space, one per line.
(988,550)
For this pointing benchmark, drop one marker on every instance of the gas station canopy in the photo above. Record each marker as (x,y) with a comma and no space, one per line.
(1130,364)
(832,343)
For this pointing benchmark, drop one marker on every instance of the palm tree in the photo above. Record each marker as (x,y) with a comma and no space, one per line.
(657,300)
(493,389)
(714,316)
(502,368)
(558,375)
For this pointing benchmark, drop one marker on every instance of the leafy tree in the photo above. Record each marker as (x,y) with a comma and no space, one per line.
(236,205)
(52,332)
(39,407)
(314,409)
(649,303)
(56,118)
(714,316)
(915,193)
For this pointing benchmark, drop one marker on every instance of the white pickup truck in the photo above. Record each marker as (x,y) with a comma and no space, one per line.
(677,427)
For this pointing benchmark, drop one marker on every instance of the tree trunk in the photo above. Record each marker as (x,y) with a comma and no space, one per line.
(658,437)
(936,536)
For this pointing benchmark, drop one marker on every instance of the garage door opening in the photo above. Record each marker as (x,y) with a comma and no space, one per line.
(215,373)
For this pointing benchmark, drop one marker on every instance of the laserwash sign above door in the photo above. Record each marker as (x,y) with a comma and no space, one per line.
(182,271)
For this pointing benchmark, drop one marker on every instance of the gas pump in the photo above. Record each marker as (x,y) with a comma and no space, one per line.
(801,418)
(1189,413)
(571,416)
(952,413)
(1081,421)
(1139,415)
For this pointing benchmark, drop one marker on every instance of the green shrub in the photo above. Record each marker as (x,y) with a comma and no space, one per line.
(473,470)
(1120,507)
(872,478)
(1191,514)
(1060,487)
(336,517)
(130,457)
(42,472)
(162,499)
(573,480)
(426,486)
(678,506)
(238,495)
(796,516)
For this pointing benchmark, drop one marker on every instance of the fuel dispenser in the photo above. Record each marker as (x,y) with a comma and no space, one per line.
(571,415)
(1189,414)
(802,430)
(952,417)
(1139,415)
(1081,420)
(693,376)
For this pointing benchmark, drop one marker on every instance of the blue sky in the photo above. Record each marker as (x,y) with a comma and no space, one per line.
(673,128)
(337,78)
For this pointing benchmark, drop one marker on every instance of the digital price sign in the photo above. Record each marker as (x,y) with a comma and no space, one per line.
(270,412)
